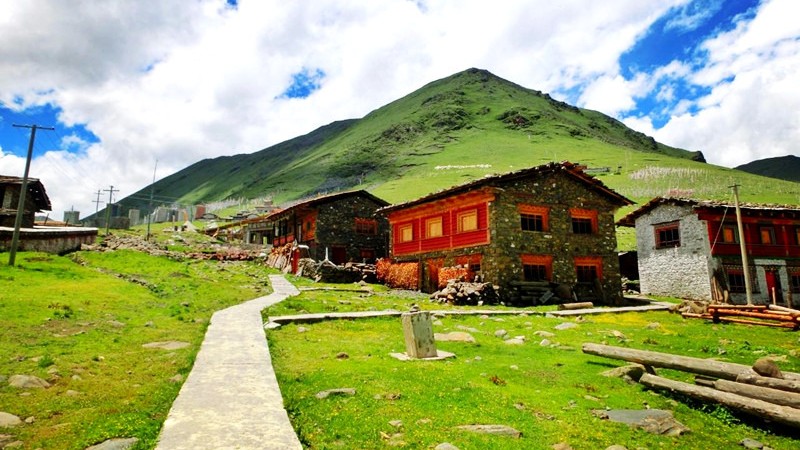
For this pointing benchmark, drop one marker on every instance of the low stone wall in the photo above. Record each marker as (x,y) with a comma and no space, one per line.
(58,240)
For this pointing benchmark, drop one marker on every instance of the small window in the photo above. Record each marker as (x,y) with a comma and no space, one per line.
(531,222)
(730,235)
(668,236)
(584,221)
(367,254)
(467,220)
(795,283)
(433,227)
(366,226)
(736,281)
(534,272)
(767,235)
(588,269)
(405,233)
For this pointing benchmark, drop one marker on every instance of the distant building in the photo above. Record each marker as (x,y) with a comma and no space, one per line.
(343,226)
(691,249)
(72,217)
(36,200)
(551,223)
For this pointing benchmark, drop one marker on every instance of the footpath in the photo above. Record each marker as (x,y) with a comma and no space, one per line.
(231,398)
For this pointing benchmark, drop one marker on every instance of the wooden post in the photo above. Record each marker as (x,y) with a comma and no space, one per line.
(418,332)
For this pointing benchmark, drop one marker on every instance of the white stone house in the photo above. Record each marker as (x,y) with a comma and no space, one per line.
(690,249)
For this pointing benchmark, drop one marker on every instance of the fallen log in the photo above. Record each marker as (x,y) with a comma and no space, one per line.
(758,315)
(759,408)
(579,305)
(776,308)
(788,383)
(766,394)
(745,307)
(709,367)
(756,322)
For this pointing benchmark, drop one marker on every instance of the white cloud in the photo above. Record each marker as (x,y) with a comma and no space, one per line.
(753,109)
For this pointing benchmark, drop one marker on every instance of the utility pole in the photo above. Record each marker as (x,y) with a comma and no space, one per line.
(23,192)
(745,264)
(110,191)
(97,204)
(150,205)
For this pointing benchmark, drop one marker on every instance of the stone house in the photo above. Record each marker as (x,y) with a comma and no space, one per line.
(691,249)
(552,223)
(342,227)
(36,200)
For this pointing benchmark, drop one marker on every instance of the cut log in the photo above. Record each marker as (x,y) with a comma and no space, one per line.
(745,307)
(709,367)
(579,305)
(759,408)
(788,383)
(776,308)
(775,396)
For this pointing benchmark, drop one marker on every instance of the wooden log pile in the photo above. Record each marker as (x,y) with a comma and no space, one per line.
(762,391)
(466,293)
(764,315)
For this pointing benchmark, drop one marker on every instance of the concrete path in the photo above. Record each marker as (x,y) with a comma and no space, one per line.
(231,399)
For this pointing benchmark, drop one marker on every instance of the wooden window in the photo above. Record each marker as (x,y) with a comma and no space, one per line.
(584,221)
(588,269)
(533,218)
(433,227)
(795,280)
(367,254)
(668,235)
(467,220)
(797,235)
(366,226)
(767,235)
(537,267)
(730,235)
(405,233)
(736,281)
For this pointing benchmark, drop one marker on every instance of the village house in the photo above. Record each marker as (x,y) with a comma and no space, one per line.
(691,249)
(552,223)
(36,200)
(35,238)
(341,227)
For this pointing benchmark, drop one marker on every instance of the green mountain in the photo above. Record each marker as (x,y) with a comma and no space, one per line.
(781,167)
(454,130)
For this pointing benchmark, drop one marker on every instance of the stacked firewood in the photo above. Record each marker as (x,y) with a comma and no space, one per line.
(762,390)
(280,257)
(766,315)
(465,293)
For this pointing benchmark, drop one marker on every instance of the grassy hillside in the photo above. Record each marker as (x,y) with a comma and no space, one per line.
(453,130)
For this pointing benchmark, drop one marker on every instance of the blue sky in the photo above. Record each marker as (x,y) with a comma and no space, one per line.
(223,77)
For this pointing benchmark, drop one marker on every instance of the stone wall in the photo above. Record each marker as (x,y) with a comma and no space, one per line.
(559,193)
(48,239)
(684,271)
(335,227)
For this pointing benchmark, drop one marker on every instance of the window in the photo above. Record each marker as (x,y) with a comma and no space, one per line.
(584,221)
(797,235)
(467,220)
(537,267)
(367,254)
(736,281)
(433,227)
(730,235)
(795,280)
(767,235)
(533,218)
(588,269)
(668,235)
(405,233)
(366,226)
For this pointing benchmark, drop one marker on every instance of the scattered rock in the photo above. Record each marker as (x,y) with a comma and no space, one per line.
(396,423)
(545,342)
(515,341)
(337,391)
(76,377)
(438,323)
(454,336)
(565,326)
(30,420)
(477,358)
(766,367)
(115,444)
(5,438)
(116,323)
(27,382)
(544,334)
(177,378)
(562,446)
(468,329)
(656,421)
(71,393)
(616,447)
(342,355)
(445,446)
(631,371)
(15,444)
(513,367)
(500,333)
(618,334)
(653,325)
(9,420)
(149,324)
(424,421)
(167,345)
(502,430)
(750,443)
(302,329)
(185,304)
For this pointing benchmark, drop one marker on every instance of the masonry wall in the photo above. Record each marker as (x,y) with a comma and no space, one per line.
(684,271)
(49,240)
(503,262)
(335,227)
